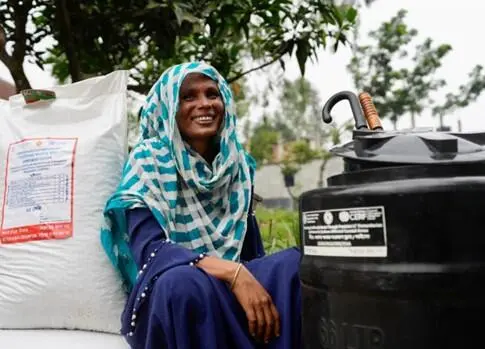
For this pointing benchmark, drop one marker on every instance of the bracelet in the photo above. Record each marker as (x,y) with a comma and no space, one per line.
(236,273)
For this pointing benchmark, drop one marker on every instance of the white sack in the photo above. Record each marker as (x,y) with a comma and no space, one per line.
(66,282)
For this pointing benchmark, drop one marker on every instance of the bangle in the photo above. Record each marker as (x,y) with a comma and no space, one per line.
(236,273)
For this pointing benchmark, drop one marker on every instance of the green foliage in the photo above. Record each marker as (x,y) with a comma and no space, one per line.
(298,153)
(295,122)
(147,36)
(289,168)
(467,94)
(301,153)
(279,228)
(241,99)
(298,115)
(264,138)
(397,91)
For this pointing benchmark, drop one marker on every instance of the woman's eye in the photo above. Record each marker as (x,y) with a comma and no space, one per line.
(187,98)
(213,95)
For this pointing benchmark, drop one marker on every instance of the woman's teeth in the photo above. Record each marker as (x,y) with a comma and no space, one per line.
(204,118)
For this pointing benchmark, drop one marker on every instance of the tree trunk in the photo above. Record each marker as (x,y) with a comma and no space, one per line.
(320,175)
(16,69)
(413,120)
(294,199)
(68,40)
(18,75)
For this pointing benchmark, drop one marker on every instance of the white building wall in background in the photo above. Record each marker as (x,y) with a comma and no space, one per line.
(269,183)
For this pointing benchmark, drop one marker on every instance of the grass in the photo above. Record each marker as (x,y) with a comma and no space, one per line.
(279,228)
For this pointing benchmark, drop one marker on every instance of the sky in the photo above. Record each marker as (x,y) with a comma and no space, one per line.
(457,24)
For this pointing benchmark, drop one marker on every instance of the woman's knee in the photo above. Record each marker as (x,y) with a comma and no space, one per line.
(294,254)
(182,284)
(289,257)
(288,262)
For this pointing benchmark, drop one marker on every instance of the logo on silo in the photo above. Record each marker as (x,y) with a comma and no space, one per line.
(328,217)
(344,216)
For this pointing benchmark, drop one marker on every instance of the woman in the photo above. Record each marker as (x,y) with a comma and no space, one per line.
(180,233)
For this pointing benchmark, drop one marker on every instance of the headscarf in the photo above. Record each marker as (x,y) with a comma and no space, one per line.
(200,206)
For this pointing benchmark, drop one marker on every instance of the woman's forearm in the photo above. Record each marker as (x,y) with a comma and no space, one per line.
(145,231)
(221,269)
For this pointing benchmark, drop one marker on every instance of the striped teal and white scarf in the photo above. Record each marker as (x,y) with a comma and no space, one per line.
(200,206)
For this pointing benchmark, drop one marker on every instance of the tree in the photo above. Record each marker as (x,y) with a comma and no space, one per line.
(397,91)
(467,94)
(298,154)
(264,138)
(298,115)
(298,125)
(241,98)
(146,36)
(15,37)
(299,118)
(335,135)
(296,118)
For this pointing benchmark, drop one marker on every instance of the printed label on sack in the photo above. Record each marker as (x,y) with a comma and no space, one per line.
(347,232)
(38,196)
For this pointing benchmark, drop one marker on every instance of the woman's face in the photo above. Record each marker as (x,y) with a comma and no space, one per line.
(201,109)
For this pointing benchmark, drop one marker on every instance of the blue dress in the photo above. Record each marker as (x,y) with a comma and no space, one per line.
(176,305)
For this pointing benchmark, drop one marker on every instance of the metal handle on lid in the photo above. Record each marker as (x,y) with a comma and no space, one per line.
(360,121)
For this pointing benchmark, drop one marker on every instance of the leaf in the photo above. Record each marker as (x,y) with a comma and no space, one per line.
(282,64)
(151,35)
(153,5)
(351,14)
(179,13)
(245,27)
(302,52)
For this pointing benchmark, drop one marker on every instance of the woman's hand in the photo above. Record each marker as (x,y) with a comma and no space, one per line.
(263,318)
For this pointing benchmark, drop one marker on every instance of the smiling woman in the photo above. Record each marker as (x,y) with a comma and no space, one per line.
(200,113)
(183,234)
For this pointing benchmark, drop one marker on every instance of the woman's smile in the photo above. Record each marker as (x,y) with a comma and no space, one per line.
(204,120)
